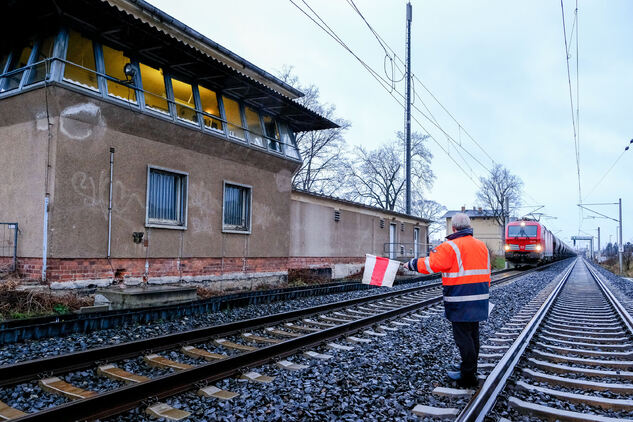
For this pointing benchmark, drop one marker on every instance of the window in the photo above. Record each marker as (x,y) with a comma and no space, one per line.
(166,198)
(522,231)
(44,51)
(287,142)
(154,86)
(82,68)
(185,103)
(114,62)
(209,102)
(236,211)
(271,132)
(233,117)
(254,126)
(19,59)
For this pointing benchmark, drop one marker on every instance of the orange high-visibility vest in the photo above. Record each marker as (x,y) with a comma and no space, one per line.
(465,266)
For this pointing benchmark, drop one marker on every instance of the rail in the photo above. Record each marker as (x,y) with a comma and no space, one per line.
(486,396)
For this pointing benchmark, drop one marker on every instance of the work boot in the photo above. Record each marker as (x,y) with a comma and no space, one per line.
(468,380)
(454,375)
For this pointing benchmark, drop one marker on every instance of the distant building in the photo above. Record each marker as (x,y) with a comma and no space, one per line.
(328,232)
(485,227)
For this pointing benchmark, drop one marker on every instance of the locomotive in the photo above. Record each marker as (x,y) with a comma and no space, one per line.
(529,242)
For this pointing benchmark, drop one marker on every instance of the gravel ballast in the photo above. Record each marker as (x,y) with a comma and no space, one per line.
(382,380)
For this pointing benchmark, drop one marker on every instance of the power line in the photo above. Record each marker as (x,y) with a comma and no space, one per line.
(386,47)
(571,98)
(326,28)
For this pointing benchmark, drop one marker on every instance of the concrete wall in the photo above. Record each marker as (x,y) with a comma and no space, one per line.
(24,138)
(485,229)
(342,245)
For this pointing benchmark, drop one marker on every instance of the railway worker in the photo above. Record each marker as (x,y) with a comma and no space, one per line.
(465,266)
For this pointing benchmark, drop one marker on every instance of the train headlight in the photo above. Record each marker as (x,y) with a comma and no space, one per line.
(538,248)
(507,247)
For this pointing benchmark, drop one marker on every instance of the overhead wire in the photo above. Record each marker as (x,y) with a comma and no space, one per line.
(574,113)
(387,49)
(326,28)
(385,46)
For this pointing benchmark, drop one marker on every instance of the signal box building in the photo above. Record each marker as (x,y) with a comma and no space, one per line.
(485,227)
(134,148)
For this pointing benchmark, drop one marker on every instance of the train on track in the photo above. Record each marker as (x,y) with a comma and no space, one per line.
(529,242)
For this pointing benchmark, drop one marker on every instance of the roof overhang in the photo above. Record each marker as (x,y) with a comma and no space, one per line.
(141,29)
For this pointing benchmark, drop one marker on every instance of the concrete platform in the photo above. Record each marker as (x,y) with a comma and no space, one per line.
(140,297)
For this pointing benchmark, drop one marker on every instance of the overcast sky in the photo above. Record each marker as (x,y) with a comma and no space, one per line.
(498,66)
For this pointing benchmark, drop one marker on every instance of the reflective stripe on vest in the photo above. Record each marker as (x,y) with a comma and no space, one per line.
(427,263)
(460,264)
(466,298)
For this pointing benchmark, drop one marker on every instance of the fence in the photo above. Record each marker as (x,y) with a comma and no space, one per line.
(405,251)
(8,247)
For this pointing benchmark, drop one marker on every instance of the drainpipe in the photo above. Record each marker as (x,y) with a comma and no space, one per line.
(45,238)
(110,202)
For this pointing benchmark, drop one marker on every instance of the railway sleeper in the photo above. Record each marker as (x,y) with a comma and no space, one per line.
(582,361)
(159,361)
(115,373)
(55,385)
(626,346)
(564,369)
(589,332)
(557,414)
(201,353)
(7,412)
(579,384)
(597,401)
(585,338)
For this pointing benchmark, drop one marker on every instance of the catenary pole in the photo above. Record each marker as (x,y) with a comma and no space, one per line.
(407,126)
(621,248)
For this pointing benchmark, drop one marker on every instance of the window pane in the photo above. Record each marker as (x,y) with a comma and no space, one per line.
(234,117)
(167,197)
(3,61)
(19,60)
(183,96)
(270,130)
(254,127)
(115,61)
(288,143)
(236,207)
(81,53)
(210,105)
(154,86)
(44,51)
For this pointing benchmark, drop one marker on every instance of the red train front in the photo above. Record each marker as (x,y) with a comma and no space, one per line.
(528,242)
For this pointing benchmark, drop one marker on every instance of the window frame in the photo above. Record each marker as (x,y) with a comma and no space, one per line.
(185,204)
(59,63)
(228,228)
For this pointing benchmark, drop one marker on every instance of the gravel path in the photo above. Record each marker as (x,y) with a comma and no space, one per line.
(382,380)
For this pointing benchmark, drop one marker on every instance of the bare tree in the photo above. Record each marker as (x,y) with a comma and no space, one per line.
(430,210)
(323,151)
(500,189)
(377,176)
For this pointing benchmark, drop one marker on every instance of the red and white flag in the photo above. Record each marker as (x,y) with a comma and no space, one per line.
(380,271)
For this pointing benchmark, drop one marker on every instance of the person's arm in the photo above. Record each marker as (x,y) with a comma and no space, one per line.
(440,260)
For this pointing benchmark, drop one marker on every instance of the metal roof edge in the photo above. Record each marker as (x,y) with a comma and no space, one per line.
(359,204)
(222,54)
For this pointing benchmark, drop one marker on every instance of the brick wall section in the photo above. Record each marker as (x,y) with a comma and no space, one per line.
(70,269)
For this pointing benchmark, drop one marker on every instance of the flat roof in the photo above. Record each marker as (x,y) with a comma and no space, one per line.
(359,205)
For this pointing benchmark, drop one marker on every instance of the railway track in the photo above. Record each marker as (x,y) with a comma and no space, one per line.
(228,350)
(570,358)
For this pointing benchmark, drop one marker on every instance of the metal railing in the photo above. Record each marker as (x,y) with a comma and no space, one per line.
(8,247)
(405,251)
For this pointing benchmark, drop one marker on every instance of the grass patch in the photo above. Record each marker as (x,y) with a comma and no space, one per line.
(21,304)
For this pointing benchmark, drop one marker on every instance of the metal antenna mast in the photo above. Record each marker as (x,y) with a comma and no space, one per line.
(407,125)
